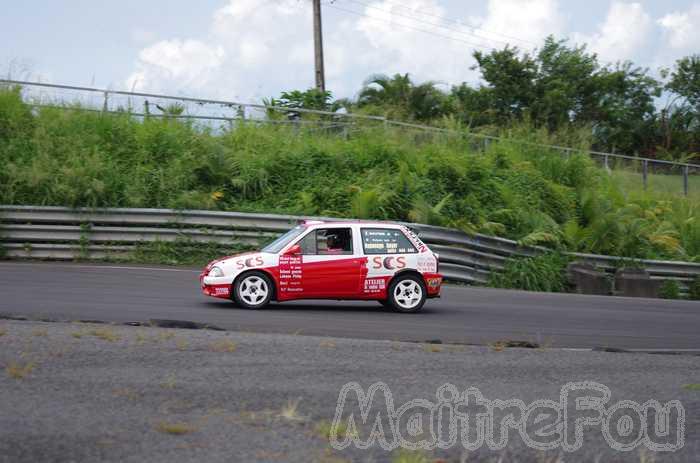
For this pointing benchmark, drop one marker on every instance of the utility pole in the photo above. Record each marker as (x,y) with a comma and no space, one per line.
(318,47)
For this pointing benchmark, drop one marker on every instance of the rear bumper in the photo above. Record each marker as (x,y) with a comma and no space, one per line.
(433,283)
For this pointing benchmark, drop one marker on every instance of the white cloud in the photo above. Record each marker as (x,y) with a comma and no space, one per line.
(682,29)
(255,48)
(244,52)
(623,34)
(397,42)
(188,63)
(524,23)
(408,37)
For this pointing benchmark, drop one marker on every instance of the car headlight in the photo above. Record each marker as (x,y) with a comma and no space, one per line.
(216,272)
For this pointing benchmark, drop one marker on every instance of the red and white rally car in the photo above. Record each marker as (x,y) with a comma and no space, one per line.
(331,260)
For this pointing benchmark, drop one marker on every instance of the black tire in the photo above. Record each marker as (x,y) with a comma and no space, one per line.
(408,300)
(253,290)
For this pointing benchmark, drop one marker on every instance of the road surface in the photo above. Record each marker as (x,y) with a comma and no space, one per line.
(463,314)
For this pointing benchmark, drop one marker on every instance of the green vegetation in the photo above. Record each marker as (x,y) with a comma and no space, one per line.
(410,456)
(694,289)
(176,429)
(223,345)
(670,289)
(557,87)
(182,251)
(106,334)
(544,273)
(76,158)
(17,370)
(658,183)
(324,429)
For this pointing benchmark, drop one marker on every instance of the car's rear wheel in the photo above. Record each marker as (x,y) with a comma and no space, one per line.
(253,290)
(407,293)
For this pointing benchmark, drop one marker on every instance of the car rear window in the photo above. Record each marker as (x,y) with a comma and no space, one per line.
(386,241)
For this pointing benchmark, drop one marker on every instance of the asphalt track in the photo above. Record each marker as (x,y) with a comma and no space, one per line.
(463,314)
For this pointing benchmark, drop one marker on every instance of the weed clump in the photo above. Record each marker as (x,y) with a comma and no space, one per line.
(19,371)
(105,334)
(670,289)
(223,345)
(176,429)
(545,273)
(694,289)
(325,430)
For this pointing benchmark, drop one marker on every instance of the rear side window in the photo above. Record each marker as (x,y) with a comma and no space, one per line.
(386,241)
(327,242)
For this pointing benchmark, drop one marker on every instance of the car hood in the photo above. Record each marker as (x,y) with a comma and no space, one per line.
(241,261)
(222,260)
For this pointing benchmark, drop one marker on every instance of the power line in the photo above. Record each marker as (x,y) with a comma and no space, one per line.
(460,23)
(413,18)
(425,31)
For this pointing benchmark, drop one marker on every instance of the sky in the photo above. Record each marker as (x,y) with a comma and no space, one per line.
(246,50)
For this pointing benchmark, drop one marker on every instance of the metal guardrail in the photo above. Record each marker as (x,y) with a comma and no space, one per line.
(47,232)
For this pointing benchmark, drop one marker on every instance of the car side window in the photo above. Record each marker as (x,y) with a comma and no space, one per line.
(327,242)
(308,244)
(386,241)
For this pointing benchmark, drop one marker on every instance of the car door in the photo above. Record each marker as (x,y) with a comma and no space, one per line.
(331,267)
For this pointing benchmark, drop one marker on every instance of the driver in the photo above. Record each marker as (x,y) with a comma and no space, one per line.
(334,244)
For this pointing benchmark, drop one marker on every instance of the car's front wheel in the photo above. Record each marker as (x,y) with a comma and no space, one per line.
(407,293)
(252,290)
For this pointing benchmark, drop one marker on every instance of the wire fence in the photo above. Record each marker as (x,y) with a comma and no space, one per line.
(633,173)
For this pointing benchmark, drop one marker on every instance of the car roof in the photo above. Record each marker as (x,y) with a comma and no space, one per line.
(341,223)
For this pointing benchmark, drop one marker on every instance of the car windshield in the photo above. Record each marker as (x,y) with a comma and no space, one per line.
(277,245)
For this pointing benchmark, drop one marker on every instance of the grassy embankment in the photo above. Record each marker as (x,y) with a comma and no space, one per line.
(77,158)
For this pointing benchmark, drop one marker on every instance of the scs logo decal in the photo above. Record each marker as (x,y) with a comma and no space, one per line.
(250,262)
(389,263)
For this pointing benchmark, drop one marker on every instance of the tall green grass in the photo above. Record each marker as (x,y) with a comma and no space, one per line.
(544,273)
(71,157)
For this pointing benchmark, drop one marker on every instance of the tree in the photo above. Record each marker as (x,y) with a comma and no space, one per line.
(382,90)
(400,98)
(510,78)
(562,86)
(679,121)
(312,98)
(472,106)
(685,80)
(565,84)
(624,114)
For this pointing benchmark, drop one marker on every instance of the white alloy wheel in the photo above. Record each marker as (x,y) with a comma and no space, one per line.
(253,290)
(408,294)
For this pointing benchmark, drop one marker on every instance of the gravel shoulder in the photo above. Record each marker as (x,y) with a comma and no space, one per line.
(101,392)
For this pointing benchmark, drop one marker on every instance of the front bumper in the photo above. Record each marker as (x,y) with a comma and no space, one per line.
(215,287)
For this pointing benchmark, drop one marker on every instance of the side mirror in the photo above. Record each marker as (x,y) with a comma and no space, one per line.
(293,251)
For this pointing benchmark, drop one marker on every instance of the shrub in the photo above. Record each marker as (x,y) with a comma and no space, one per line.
(670,290)
(694,289)
(544,273)
(69,157)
